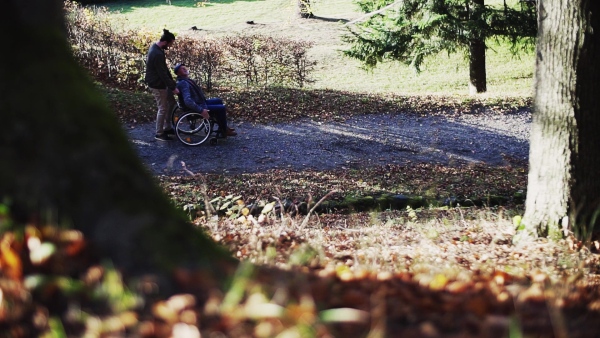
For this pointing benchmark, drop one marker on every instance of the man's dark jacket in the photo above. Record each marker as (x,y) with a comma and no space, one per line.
(191,95)
(158,75)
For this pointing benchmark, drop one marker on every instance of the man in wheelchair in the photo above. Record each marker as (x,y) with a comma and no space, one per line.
(191,97)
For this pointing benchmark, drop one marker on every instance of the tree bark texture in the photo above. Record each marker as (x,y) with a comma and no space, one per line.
(563,181)
(477,73)
(64,153)
(303,9)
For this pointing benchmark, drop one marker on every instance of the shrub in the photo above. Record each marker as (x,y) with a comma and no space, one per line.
(116,56)
(258,60)
(204,57)
(110,53)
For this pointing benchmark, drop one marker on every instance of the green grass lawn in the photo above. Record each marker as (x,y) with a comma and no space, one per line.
(219,14)
(442,75)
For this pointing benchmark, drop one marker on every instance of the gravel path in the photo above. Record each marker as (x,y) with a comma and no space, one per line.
(359,141)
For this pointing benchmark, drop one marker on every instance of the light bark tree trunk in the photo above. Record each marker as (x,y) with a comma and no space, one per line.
(564,158)
(303,9)
(64,152)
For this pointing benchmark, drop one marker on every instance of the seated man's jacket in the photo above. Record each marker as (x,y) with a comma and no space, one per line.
(191,95)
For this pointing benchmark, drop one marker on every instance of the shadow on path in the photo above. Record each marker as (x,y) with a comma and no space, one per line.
(358,142)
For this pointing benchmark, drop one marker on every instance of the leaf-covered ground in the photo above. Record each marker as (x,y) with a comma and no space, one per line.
(413,273)
(434,183)
(285,104)
(443,271)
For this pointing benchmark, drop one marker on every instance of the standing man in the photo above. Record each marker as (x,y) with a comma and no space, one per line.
(161,83)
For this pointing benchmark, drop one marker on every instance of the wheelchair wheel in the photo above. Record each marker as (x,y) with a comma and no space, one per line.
(176,115)
(192,129)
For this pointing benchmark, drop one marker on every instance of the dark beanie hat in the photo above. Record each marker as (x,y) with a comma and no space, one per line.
(167,36)
(176,68)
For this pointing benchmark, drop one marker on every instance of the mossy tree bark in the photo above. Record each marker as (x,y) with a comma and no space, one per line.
(63,151)
(564,160)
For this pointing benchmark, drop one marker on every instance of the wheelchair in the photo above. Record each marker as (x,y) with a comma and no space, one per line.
(192,129)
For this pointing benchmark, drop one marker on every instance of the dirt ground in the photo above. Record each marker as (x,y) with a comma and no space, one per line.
(355,142)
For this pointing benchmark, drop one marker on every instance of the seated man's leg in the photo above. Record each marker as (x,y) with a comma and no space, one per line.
(214,100)
(218,112)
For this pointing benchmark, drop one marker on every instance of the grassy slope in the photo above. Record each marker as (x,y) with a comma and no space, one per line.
(219,15)
(442,75)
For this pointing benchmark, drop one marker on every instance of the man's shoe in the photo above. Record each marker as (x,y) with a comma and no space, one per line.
(169,131)
(162,137)
(230,132)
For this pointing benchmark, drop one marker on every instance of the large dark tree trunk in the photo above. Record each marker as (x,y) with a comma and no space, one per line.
(564,184)
(477,75)
(64,153)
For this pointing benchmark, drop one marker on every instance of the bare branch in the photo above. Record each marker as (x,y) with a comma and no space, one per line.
(210,210)
(368,15)
(305,221)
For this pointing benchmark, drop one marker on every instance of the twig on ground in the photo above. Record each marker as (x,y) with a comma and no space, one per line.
(203,190)
(305,221)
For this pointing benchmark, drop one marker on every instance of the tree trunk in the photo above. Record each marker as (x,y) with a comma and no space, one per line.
(563,184)
(303,9)
(477,75)
(64,153)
